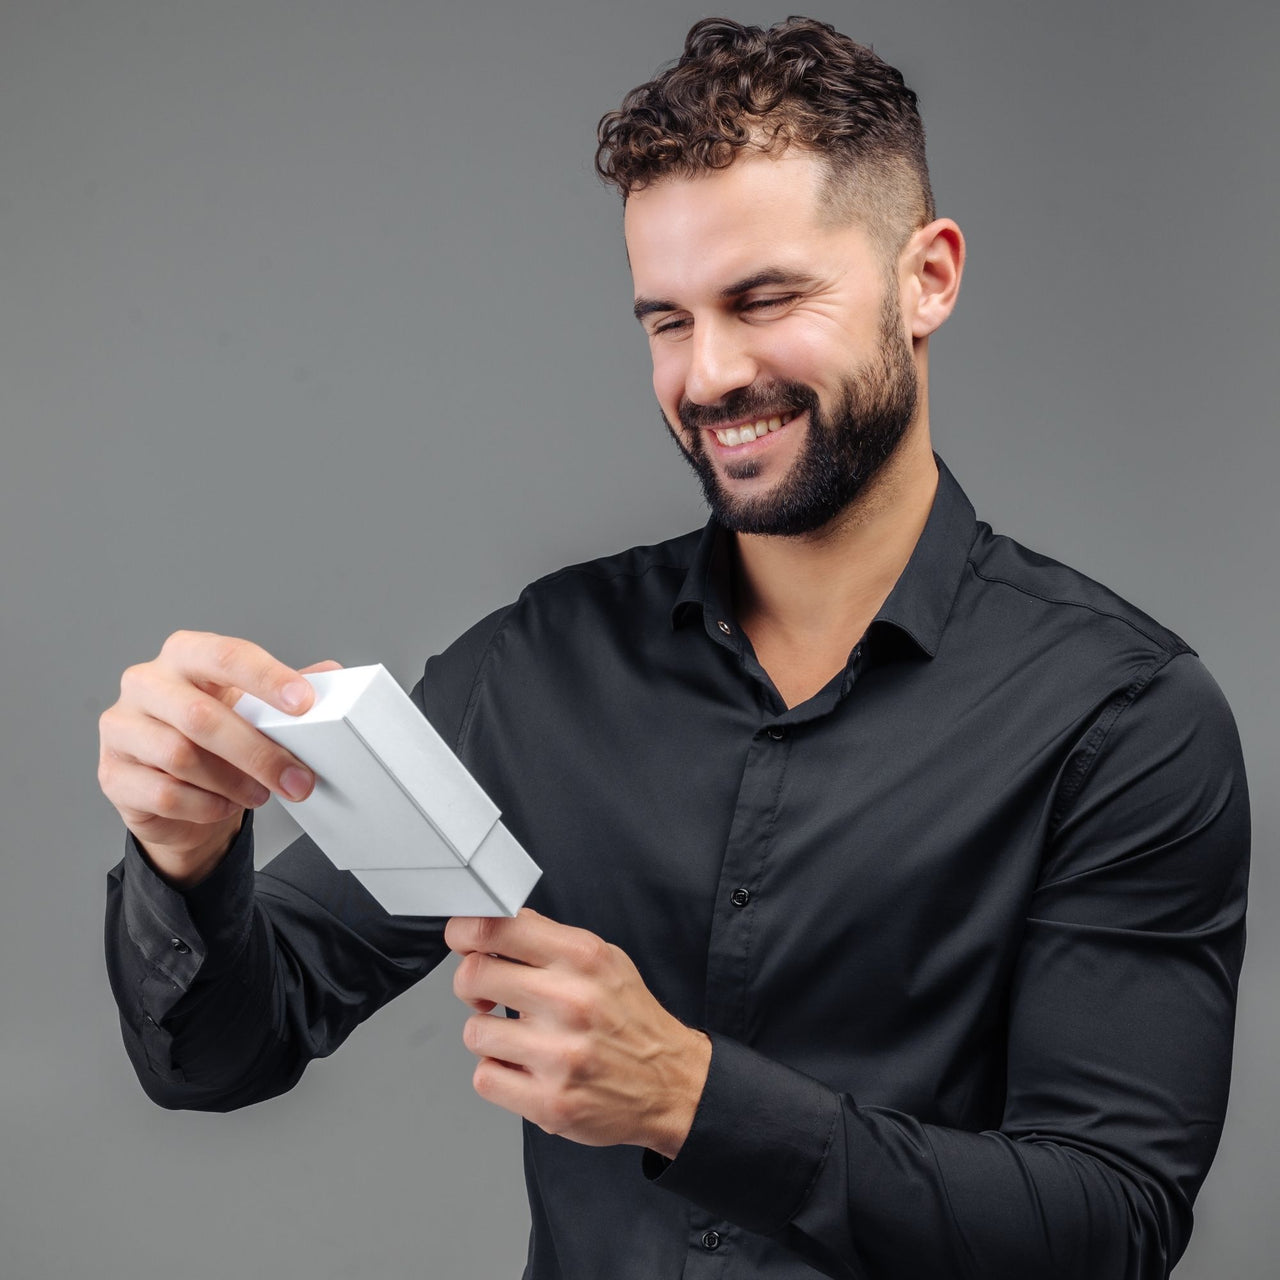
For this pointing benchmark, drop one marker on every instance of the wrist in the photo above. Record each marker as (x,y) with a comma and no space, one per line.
(692,1063)
(184,869)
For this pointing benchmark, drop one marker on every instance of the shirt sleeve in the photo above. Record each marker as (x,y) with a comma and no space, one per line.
(227,990)
(1121,1016)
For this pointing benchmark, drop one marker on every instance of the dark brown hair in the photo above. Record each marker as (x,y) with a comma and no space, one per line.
(801,83)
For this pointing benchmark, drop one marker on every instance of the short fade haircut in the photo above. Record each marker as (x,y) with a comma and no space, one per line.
(801,83)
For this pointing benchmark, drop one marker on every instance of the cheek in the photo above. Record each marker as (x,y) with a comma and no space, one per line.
(668,379)
(808,355)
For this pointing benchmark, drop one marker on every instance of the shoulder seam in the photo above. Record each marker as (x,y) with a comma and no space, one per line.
(465,721)
(1180,646)
(1074,779)
(587,570)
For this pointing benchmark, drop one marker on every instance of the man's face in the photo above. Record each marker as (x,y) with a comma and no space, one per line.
(758,312)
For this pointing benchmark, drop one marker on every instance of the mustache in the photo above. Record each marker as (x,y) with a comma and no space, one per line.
(754,403)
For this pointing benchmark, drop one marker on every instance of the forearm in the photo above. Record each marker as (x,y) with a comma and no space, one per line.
(270,971)
(199,1012)
(872,1193)
(278,968)
(1116,1050)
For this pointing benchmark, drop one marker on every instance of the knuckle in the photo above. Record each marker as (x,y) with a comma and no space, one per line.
(271,674)
(575,1060)
(588,952)
(487,929)
(557,1115)
(164,796)
(249,792)
(107,724)
(482,1078)
(179,755)
(176,641)
(264,761)
(132,679)
(575,1010)
(466,975)
(225,652)
(194,718)
(106,772)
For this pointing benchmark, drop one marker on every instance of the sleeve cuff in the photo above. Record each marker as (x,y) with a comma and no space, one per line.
(759,1139)
(201,930)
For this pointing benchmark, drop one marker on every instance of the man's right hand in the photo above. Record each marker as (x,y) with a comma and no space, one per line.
(178,763)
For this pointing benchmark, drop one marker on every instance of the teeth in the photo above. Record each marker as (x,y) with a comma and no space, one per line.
(749,432)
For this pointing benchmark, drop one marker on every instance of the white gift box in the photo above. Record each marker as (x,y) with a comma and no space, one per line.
(393,804)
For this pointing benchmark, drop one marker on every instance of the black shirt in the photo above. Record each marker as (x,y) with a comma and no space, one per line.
(965,927)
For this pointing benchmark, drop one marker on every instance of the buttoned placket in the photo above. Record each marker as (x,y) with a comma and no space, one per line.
(753,840)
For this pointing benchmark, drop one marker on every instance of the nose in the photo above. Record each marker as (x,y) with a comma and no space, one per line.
(719,362)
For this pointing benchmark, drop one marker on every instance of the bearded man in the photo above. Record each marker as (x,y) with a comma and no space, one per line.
(894,875)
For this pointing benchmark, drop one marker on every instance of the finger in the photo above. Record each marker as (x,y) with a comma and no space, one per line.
(144,740)
(228,663)
(493,980)
(327,665)
(510,1087)
(509,1040)
(531,938)
(142,794)
(208,723)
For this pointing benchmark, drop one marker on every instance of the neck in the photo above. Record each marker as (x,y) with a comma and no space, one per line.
(823,588)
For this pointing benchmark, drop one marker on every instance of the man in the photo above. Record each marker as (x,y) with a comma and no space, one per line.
(894,875)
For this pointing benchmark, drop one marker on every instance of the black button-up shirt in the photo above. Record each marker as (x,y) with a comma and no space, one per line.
(964,927)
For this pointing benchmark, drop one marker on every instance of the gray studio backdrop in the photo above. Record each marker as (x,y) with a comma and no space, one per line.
(314,328)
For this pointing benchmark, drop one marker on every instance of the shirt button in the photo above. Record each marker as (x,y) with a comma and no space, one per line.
(728,630)
(148,1019)
(710,1239)
(179,946)
(740,897)
(777,732)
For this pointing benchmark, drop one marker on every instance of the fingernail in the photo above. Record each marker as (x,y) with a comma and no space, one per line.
(294,695)
(295,782)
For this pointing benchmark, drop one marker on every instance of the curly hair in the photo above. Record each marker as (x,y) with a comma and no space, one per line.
(801,83)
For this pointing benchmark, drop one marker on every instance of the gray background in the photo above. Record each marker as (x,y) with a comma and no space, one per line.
(314,328)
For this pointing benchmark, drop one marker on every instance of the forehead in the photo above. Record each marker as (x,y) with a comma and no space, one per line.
(687,235)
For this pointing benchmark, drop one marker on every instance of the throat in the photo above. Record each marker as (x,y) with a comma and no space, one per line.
(798,670)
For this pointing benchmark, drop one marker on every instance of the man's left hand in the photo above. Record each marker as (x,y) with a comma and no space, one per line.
(593,1056)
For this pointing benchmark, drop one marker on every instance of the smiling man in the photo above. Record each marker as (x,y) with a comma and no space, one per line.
(894,874)
(825,316)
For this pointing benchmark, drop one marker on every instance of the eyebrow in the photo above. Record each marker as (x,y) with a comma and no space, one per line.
(757,280)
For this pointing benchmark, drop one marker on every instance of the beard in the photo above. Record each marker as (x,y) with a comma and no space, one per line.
(842,451)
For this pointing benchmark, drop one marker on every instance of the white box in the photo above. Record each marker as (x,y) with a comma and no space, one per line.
(393,804)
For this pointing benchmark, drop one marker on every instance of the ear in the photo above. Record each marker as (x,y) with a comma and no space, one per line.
(931,265)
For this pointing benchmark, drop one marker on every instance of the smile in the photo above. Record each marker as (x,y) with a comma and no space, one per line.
(746,432)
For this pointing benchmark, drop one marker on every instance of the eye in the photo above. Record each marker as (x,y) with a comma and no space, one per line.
(756,304)
(760,303)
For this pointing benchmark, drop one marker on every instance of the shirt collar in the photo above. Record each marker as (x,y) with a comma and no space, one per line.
(916,609)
